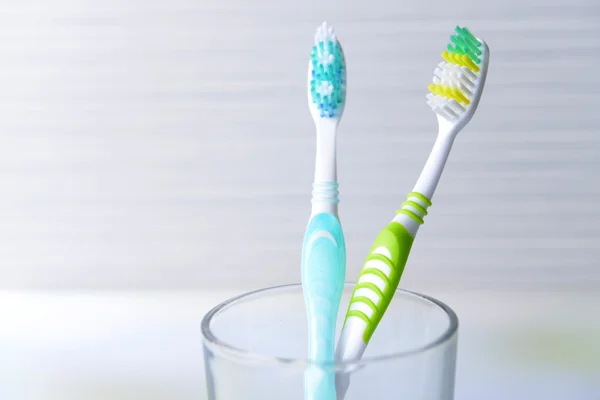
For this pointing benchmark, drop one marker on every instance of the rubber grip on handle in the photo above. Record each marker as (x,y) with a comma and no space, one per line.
(392,247)
(323,275)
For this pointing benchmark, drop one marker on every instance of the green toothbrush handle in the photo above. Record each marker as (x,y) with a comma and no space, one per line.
(391,248)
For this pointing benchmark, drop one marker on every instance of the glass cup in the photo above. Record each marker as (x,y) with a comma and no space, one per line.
(256,344)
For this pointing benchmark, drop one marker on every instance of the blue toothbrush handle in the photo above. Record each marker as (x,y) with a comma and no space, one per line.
(323,275)
(319,385)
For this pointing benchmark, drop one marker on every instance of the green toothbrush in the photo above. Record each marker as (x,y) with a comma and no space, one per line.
(456,89)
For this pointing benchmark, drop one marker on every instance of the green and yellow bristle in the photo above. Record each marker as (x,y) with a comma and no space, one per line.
(456,78)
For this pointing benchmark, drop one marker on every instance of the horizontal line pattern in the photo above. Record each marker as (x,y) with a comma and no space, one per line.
(169,144)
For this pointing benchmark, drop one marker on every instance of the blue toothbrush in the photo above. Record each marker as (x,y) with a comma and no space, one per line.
(324,248)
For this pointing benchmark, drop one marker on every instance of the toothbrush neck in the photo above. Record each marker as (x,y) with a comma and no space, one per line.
(325,165)
(414,209)
(430,176)
(325,193)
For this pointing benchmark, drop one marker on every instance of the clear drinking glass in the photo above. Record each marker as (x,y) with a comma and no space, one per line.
(255,347)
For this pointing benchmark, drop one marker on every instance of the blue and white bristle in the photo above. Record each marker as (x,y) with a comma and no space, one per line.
(328,74)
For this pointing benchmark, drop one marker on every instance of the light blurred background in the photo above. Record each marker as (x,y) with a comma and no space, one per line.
(156,157)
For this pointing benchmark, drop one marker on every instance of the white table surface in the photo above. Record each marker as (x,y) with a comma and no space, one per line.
(147,345)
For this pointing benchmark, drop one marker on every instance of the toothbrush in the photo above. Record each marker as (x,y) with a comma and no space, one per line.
(324,248)
(455,93)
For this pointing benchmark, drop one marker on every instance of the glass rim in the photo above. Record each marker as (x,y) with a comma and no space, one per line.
(242,356)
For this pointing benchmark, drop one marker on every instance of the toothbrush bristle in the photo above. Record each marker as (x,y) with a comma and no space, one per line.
(456,79)
(328,73)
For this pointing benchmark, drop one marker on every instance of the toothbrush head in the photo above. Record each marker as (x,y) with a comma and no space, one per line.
(326,76)
(458,80)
